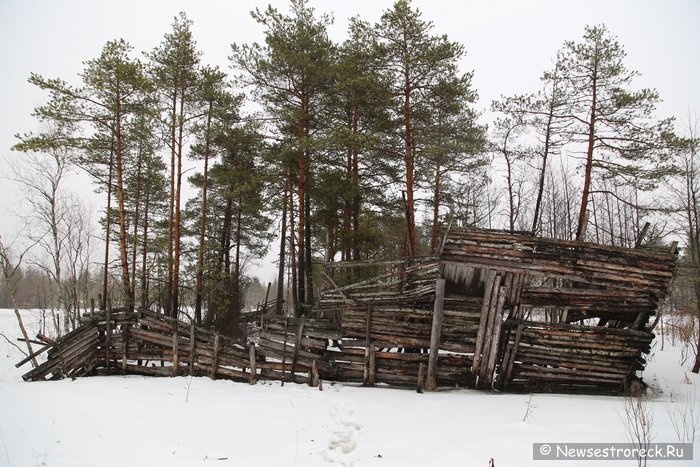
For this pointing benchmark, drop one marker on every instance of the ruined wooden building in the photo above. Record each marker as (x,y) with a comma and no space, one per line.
(492,310)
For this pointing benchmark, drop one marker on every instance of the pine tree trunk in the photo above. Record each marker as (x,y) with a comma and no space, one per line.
(580,231)
(134,242)
(409,160)
(122,211)
(280,271)
(307,259)
(436,208)
(171,207)
(292,249)
(178,215)
(511,196)
(356,200)
(144,248)
(108,227)
(543,173)
(202,226)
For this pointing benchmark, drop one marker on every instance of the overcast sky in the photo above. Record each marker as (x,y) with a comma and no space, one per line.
(509,44)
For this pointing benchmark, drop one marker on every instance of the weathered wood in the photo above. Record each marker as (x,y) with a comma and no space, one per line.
(435,335)
(284,356)
(420,382)
(300,333)
(193,342)
(215,364)
(108,331)
(125,347)
(253,364)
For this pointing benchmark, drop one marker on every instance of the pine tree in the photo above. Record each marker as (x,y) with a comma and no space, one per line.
(173,66)
(413,62)
(616,125)
(291,77)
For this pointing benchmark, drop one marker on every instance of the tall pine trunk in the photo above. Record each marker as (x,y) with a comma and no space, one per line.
(171,207)
(178,215)
(122,211)
(436,208)
(280,270)
(134,242)
(409,162)
(203,225)
(144,252)
(581,229)
(108,227)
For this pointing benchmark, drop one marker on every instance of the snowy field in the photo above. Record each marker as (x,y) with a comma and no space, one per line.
(139,421)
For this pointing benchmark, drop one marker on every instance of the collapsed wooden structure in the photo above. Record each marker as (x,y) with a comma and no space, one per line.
(491,310)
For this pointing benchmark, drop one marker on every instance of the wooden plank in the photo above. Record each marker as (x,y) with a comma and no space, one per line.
(215,363)
(300,333)
(372,365)
(193,342)
(435,335)
(253,362)
(488,291)
(496,338)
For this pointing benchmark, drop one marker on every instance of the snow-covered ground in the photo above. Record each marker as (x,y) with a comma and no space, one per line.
(139,421)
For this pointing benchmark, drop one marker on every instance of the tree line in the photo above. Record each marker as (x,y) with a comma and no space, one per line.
(356,151)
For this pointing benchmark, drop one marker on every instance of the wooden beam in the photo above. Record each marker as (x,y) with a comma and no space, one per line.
(435,334)
(642,234)
(215,358)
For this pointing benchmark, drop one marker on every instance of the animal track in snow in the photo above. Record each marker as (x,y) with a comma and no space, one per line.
(344,438)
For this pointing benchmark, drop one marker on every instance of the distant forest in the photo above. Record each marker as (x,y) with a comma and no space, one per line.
(364,150)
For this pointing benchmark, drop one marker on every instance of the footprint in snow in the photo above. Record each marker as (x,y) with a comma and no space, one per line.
(344,438)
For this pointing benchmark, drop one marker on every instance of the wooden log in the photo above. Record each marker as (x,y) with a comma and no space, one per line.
(372,366)
(125,347)
(495,339)
(176,359)
(193,346)
(108,332)
(253,362)
(215,363)
(284,356)
(435,335)
(488,292)
(420,381)
(32,355)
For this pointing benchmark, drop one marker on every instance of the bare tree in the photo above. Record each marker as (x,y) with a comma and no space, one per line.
(11,273)
(40,176)
(685,190)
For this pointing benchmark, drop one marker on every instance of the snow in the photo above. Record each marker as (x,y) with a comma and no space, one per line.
(141,421)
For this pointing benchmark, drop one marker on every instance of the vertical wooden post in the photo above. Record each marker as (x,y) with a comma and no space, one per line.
(438,310)
(300,333)
(488,291)
(192,347)
(176,356)
(215,359)
(368,346)
(421,378)
(511,359)
(125,343)
(284,348)
(92,308)
(108,332)
(313,373)
(372,365)
(253,366)
(495,337)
